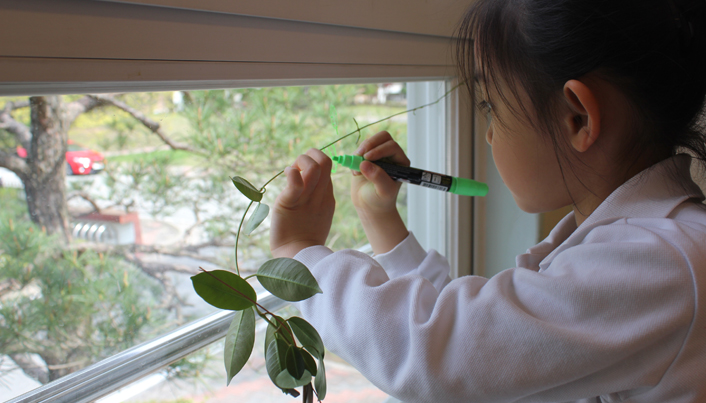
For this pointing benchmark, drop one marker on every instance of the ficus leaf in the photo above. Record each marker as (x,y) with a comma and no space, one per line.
(286,381)
(224,290)
(309,362)
(282,329)
(272,357)
(320,381)
(247,189)
(239,342)
(269,335)
(259,215)
(282,333)
(308,336)
(294,361)
(282,347)
(275,361)
(287,279)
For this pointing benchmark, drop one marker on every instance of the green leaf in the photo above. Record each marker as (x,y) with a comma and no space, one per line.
(240,340)
(282,329)
(224,290)
(277,336)
(309,362)
(308,336)
(294,361)
(259,215)
(247,189)
(286,381)
(320,381)
(275,362)
(287,279)
(269,336)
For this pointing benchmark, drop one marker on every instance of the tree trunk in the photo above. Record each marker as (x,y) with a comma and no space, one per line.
(45,185)
(30,367)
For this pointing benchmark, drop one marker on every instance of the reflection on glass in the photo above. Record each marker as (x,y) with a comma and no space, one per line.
(111,202)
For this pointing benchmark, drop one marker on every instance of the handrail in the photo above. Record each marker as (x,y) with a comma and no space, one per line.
(112,373)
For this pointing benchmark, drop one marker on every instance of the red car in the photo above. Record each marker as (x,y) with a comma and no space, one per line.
(79,160)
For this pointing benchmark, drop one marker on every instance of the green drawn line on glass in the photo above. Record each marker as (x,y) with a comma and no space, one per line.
(331,152)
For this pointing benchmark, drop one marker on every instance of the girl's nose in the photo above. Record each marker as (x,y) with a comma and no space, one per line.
(489,135)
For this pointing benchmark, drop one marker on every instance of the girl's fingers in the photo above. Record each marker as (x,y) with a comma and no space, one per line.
(322,159)
(384,185)
(389,149)
(323,186)
(372,142)
(295,186)
(309,171)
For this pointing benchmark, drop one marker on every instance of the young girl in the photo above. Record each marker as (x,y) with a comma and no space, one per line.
(592,102)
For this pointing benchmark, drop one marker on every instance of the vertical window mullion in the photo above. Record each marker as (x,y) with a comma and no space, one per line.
(427,139)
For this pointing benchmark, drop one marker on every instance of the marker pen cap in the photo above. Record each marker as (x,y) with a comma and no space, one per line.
(468,187)
(349,161)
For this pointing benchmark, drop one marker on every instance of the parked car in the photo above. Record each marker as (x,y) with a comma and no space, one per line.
(79,160)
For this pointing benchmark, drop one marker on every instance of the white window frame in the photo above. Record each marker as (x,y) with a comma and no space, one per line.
(440,140)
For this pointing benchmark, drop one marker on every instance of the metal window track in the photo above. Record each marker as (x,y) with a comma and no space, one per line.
(109,375)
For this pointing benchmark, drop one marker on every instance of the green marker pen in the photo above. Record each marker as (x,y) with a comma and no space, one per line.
(459,186)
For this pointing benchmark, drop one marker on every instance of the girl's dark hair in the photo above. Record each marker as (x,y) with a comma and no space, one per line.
(653,50)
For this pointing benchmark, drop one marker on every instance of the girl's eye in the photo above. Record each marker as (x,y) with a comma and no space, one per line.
(485,106)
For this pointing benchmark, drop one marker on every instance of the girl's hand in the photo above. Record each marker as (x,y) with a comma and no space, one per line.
(302,213)
(373,191)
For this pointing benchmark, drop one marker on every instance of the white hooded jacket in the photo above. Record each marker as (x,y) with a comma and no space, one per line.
(611,311)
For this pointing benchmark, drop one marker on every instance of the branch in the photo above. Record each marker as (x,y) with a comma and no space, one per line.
(153,126)
(18,105)
(76,108)
(130,254)
(211,243)
(22,133)
(190,251)
(14,164)
(156,268)
(86,197)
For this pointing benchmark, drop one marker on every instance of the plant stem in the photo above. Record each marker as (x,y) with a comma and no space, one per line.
(237,236)
(264,316)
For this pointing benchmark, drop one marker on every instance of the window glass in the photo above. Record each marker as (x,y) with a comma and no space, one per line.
(201,378)
(111,202)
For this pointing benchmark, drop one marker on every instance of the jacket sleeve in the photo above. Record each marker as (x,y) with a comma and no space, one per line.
(408,258)
(607,315)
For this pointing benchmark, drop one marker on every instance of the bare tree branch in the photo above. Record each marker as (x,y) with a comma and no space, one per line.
(85,196)
(20,104)
(213,242)
(131,254)
(155,268)
(80,106)
(14,164)
(22,133)
(153,126)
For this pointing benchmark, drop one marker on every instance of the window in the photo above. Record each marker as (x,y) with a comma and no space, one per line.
(130,47)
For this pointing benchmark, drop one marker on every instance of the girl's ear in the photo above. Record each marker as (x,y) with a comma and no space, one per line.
(583,119)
